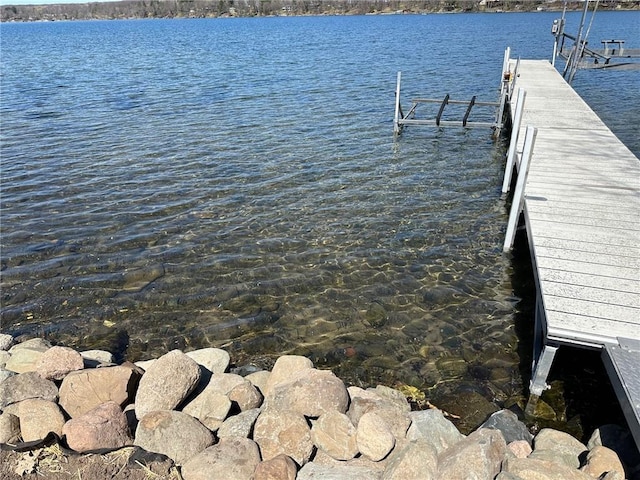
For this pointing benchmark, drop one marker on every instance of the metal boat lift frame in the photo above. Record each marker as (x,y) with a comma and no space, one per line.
(507,84)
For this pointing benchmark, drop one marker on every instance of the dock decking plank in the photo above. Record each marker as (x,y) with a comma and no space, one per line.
(581,210)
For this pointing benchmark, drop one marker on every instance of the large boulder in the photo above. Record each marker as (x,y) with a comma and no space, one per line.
(104,427)
(334,434)
(283,432)
(83,391)
(56,362)
(417,459)
(166,383)
(479,455)
(309,392)
(175,434)
(374,438)
(232,458)
(26,385)
(39,417)
(432,426)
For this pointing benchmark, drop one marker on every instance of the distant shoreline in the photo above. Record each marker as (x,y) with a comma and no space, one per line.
(138,9)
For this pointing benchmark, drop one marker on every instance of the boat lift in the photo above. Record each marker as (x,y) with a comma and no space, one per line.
(613,54)
(507,84)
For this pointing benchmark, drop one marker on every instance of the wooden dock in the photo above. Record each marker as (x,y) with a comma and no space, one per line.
(582,214)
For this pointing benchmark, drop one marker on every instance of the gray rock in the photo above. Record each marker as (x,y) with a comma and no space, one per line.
(507,422)
(6,341)
(374,438)
(309,392)
(240,425)
(556,446)
(532,469)
(26,385)
(313,471)
(334,434)
(4,374)
(4,358)
(601,460)
(418,459)
(83,391)
(104,427)
(23,360)
(38,344)
(278,468)
(284,368)
(9,428)
(283,432)
(210,407)
(393,396)
(432,426)
(232,458)
(175,434)
(167,383)
(246,396)
(39,417)
(213,359)
(56,362)
(477,456)
(94,358)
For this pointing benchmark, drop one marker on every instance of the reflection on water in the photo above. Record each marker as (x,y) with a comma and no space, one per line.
(161,194)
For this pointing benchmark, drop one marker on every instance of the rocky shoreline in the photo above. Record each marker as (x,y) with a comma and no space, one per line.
(184,415)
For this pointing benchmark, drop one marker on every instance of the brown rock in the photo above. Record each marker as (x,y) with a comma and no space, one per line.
(246,396)
(26,385)
(231,459)
(280,467)
(601,460)
(374,438)
(39,417)
(309,392)
(83,391)
(334,434)
(104,427)
(166,383)
(57,362)
(520,448)
(283,432)
(175,434)
(9,428)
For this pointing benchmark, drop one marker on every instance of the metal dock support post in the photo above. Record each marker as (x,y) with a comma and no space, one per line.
(396,119)
(513,144)
(518,196)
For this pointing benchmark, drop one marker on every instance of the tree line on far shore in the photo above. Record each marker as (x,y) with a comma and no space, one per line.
(246,8)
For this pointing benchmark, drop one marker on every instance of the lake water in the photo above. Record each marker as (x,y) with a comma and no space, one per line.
(235,183)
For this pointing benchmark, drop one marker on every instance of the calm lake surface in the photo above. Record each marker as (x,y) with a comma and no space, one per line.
(235,183)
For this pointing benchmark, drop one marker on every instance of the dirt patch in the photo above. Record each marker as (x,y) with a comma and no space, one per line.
(54,462)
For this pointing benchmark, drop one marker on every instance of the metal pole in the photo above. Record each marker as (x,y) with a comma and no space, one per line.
(396,119)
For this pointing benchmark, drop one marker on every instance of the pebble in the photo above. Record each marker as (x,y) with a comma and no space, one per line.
(293,423)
